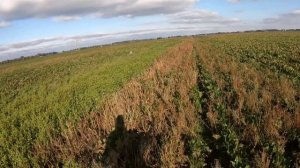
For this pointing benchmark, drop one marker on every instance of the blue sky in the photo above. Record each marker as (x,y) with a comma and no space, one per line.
(32,26)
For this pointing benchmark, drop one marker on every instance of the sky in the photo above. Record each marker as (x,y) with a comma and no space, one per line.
(28,27)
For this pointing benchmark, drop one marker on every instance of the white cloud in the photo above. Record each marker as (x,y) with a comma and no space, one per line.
(7,5)
(233,1)
(4,24)
(66,18)
(21,9)
(284,21)
(296,12)
(198,16)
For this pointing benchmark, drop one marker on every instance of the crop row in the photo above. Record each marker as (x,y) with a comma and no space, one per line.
(250,116)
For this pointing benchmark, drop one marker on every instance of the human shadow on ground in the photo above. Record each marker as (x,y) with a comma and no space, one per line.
(129,148)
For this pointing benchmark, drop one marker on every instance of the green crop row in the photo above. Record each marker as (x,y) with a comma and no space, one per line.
(39,95)
(249,109)
(278,52)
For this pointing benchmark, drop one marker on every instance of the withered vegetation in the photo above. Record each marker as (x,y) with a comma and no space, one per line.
(253,109)
(158,104)
(228,100)
(202,104)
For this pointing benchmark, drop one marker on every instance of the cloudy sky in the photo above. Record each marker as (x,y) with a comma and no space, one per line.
(28,27)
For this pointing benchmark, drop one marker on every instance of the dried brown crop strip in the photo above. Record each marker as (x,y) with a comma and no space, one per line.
(157,111)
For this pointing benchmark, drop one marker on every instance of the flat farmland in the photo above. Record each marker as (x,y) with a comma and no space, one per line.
(38,95)
(219,100)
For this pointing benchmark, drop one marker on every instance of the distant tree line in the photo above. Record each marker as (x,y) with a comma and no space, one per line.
(29,57)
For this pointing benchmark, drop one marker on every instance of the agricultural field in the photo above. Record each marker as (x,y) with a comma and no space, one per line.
(225,100)
(250,104)
(38,95)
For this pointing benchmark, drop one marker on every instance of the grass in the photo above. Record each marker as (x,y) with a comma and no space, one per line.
(226,100)
(39,95)
(156,105)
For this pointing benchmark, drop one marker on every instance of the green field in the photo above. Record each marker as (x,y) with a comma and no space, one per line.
(249,85)
(230,100)
(38,95)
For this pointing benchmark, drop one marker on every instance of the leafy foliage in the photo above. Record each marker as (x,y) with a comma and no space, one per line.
(39,95)
(250,108)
